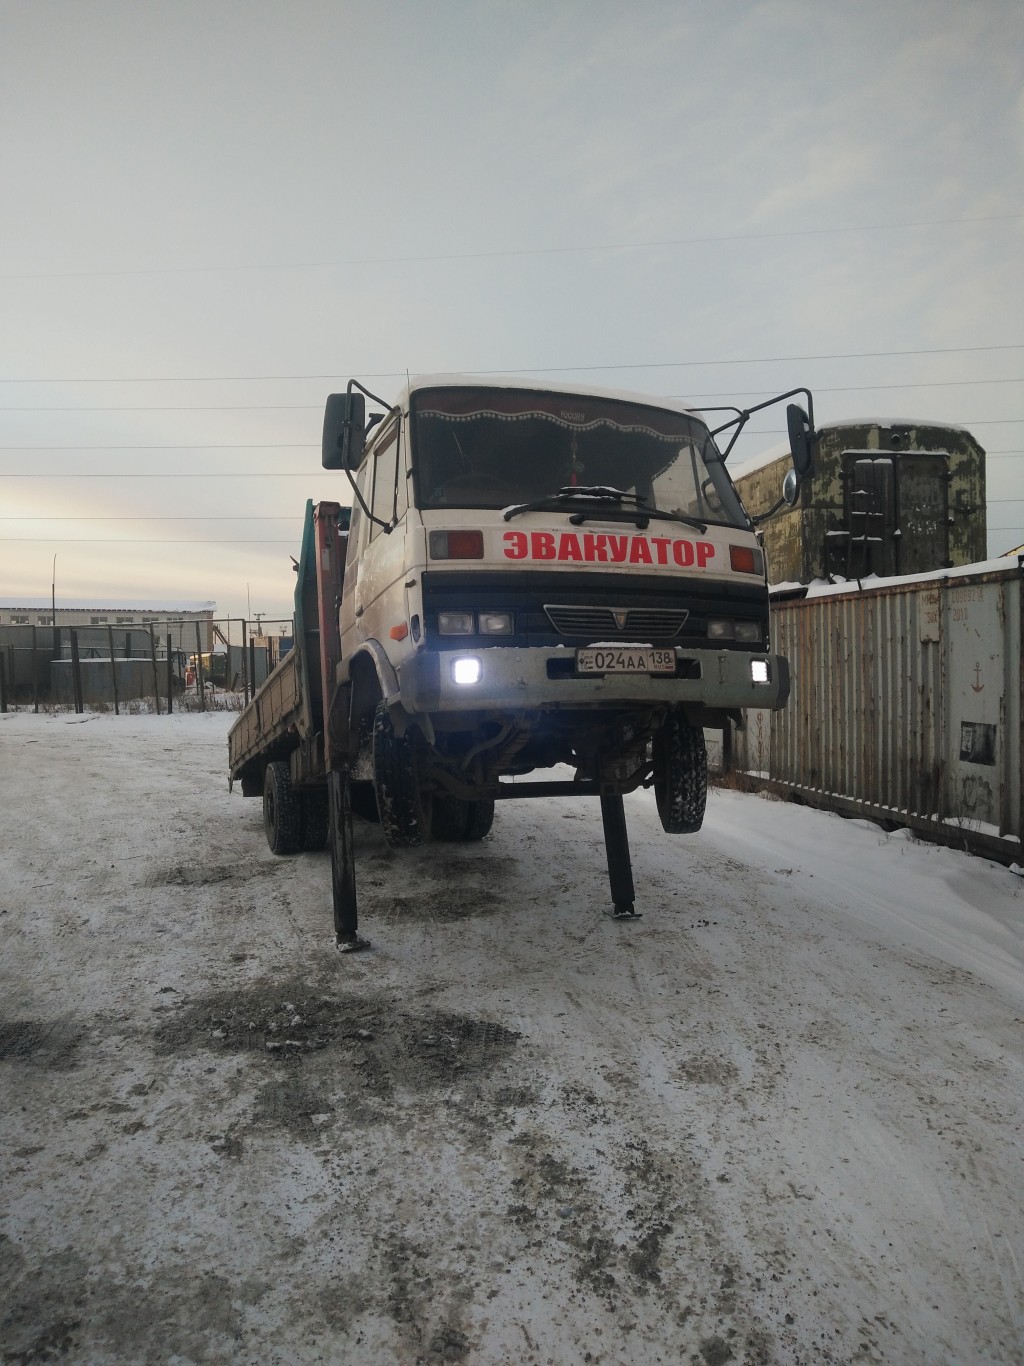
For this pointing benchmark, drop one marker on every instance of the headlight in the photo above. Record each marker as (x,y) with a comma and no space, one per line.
(720,630)
(455,623)
(495,623)
(466,670)
(749,631)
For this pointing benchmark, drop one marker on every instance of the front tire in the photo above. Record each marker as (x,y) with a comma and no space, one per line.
(404,809)
(282,812)
(680,775)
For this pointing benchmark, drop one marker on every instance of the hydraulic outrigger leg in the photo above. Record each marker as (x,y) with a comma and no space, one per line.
(620,871)
(343,864)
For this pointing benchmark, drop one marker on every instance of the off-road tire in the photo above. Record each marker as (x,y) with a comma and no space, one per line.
(448,817)
(479,819)
(680,775)
(282,811)
(316,818)
(455,819)
(404,808)
(364,801)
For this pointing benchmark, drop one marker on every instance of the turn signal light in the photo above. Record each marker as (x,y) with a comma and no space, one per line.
(744,559)
(456,545)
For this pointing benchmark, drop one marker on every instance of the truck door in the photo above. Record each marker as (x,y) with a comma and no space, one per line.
(379,590)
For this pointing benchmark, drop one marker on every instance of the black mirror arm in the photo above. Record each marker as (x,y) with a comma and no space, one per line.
(763,516)
(743,415)
(374,419)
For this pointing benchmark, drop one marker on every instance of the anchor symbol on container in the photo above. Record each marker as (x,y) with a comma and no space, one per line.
(977,685)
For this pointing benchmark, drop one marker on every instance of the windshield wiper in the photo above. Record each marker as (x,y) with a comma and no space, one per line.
(591,493)
(631,503)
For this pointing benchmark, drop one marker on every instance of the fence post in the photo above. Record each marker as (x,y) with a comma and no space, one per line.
(76,672)
(35,673)
(113,667)
(3,682)
(170,677)
(200,680)
(246,680)
(252,663)
(156,679)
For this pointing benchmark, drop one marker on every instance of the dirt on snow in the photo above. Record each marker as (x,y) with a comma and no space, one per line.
(750,1127)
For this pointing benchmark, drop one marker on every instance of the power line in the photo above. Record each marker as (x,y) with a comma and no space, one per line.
(318,407)
(199,446)
(500,254)
(145,540)
(530,370)
(239,474)
(141,517)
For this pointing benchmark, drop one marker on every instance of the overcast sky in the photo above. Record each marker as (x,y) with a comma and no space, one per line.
(214,214)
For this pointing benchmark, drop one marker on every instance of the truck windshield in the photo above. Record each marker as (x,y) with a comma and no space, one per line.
(491,448)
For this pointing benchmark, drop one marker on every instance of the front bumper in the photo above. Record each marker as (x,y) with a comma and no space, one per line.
(512,679)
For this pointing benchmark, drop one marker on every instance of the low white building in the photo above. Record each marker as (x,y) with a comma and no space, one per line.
(166,616)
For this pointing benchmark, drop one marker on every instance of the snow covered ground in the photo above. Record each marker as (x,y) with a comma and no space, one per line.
(778,1119)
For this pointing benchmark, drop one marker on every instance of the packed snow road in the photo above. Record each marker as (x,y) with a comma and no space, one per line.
(778,1119)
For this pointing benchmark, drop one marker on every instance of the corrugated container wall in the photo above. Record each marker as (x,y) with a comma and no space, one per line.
(906,705)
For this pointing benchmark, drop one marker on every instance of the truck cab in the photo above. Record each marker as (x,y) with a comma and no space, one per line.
(539,576)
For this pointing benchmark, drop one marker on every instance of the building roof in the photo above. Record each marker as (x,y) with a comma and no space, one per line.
(105,605)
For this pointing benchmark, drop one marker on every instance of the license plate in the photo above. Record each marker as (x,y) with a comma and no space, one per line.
(623,659)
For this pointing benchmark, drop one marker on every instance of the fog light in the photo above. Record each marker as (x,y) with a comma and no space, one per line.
(455,623)
(495,623)
(759,670)
(466,670)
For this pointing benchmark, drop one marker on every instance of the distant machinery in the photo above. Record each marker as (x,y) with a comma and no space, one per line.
(885,498)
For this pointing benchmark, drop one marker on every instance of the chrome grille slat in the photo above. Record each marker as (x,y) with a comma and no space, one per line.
(658,623)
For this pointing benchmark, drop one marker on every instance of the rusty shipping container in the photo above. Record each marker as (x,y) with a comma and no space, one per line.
(905,706)
(885,498)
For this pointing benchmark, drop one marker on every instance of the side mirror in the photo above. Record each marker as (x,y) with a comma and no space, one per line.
(344,429)
(801,441)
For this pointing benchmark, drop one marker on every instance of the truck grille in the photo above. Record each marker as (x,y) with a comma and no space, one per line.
(652,623)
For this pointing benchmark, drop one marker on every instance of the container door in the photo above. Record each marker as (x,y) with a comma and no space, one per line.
(922,491)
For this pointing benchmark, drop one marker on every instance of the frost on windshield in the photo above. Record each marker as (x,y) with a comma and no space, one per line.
(478,447)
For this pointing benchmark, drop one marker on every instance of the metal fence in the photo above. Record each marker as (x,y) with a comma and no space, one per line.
(906,706)
(78,665)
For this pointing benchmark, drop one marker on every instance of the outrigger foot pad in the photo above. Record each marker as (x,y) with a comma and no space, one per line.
(352,945)
(624,912)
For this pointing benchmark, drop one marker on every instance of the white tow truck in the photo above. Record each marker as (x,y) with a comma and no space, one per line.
(532,576)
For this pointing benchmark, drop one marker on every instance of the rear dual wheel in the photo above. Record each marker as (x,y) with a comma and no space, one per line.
(294,820)
(455,819)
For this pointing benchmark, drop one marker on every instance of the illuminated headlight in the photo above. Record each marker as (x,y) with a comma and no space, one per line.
(749,631)
(466,670)
(759,670)
(455,623)
(495,623)
(720,630)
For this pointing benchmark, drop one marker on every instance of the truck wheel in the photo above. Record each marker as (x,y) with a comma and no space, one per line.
(453,818)
(448,817)
(680,776)
(316,818)
(480,819)
(282,813)
(404,809)
(364,802)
